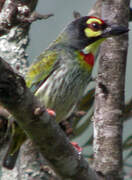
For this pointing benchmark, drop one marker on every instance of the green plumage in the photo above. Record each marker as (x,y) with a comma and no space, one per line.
(61,74)
(58,79)
(41,69)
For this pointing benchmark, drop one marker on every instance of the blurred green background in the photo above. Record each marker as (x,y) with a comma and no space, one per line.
(45,31)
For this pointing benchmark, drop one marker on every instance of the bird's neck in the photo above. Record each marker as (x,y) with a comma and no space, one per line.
(69,40)
(87,58)
(92,48)
(88,55)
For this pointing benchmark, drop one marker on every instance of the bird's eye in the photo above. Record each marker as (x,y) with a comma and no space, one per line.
(95,26)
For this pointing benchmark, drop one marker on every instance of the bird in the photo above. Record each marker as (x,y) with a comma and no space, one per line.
(61,74)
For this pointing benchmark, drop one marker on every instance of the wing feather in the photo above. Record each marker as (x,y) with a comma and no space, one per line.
(40,70)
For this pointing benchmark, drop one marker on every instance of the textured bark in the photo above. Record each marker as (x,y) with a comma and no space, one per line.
(41,127)
(109,98)
(96,9)
(13,43)
(12,48)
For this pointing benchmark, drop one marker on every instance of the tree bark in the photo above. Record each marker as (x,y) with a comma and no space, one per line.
(13,44)
(12,49)
(41,127)
(109,98)
(29,166)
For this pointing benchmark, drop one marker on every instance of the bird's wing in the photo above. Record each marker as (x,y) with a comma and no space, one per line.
(40,70)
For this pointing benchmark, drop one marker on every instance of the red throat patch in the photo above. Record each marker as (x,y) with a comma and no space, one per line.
(88,58)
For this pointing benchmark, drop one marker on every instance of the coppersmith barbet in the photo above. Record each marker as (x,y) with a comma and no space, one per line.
(62,72)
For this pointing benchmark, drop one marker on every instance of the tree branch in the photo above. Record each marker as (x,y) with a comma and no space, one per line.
(12,49)
(109,98)
(41,127)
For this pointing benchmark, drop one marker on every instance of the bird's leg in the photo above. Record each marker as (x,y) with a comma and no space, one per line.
(66,126)
(51,112)
(77,147)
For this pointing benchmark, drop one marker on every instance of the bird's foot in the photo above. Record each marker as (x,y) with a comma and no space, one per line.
(66,126)
(51,112)
(78,148)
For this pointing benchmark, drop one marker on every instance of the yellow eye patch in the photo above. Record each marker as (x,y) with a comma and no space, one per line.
(89,32)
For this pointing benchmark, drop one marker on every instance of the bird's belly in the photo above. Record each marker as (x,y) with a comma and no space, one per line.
(61,92)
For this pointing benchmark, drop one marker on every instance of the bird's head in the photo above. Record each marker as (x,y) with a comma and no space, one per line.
(88,29)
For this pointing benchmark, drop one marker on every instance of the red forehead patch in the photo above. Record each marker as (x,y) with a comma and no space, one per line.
(103,22)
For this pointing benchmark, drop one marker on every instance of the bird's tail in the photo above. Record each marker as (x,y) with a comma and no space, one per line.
(18,137)
(9,160)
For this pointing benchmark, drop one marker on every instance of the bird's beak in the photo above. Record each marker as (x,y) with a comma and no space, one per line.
(114,30)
